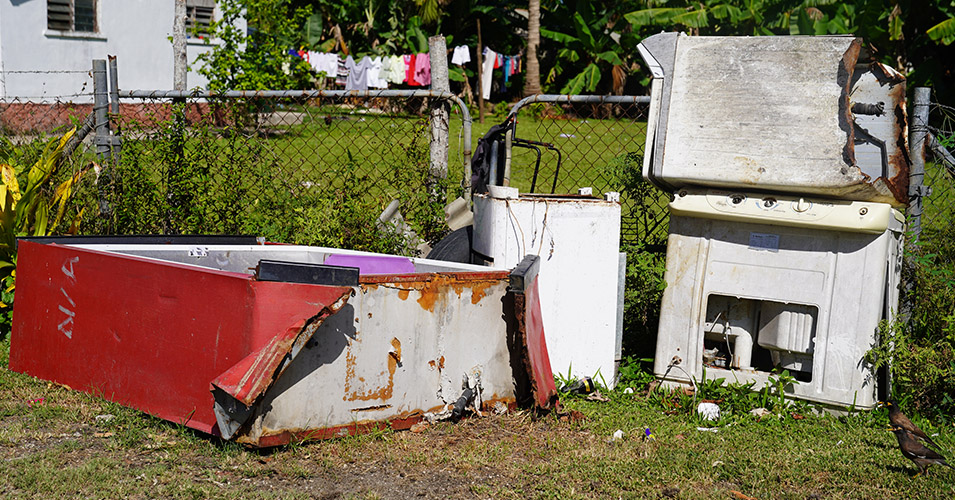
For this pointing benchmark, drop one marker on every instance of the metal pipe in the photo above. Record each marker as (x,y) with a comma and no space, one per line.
(942,154)
(101,136)
(559,98)
(78,137)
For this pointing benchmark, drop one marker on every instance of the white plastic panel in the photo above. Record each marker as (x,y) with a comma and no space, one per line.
(578,240)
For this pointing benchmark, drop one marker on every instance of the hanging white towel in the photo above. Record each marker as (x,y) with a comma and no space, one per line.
(488,71)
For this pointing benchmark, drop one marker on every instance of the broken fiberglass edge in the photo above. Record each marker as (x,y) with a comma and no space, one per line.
(197,336)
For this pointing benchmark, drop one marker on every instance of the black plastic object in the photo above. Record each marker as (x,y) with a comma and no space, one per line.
(456,247)
(311,274)
(484,157)
(580,386)
(459,406)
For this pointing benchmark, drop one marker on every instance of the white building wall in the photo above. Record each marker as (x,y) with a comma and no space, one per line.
(38,64)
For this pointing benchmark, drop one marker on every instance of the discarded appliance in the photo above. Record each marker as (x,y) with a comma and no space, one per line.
(787,159)
(577,238)
(264,344)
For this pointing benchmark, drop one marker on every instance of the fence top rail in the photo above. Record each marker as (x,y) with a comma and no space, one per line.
(585,99)
(245,94)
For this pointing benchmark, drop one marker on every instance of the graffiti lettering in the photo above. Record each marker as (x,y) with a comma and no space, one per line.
(66,326)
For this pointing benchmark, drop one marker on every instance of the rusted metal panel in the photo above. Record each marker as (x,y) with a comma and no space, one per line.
(399,349)
(777,114)
(283,360)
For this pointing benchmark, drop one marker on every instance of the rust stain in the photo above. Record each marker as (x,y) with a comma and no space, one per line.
(479,291)
(403,294)
(433,291)
(361,393)
(395,353)
(432,364)
(441,363)
(400,421)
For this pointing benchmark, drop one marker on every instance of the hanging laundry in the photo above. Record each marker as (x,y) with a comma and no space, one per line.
(507,70)
(341,75)
(409,60)
(461,55)
(323,62)
(490,57)
(498,61)
(422,73)
(357,73)
(393,69)
(375,80)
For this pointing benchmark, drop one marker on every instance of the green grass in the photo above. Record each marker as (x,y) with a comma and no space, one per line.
(60,450)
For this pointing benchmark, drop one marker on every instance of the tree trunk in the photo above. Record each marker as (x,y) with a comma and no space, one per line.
(532,83)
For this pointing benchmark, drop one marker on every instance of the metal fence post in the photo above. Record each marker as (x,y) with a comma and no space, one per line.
(101,135)
(440,108)
(101,110)
(918,132)
(116,144)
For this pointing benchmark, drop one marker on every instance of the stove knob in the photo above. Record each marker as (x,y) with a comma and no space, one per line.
(802,205)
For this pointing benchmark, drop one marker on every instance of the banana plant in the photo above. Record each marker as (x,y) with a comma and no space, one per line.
(27,211)
(590,43)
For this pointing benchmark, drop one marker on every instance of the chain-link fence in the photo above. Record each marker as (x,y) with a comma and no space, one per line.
(30,125)
(562,143)
(299,167)
(938,201)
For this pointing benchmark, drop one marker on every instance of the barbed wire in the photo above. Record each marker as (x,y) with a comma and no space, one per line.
(47,71)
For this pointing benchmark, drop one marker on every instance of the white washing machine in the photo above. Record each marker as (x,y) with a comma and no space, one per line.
(747,294)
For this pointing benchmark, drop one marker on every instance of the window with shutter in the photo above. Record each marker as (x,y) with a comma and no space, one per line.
(199,16)
(71,15)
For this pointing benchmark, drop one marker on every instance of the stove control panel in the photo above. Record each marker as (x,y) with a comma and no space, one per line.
(786,210)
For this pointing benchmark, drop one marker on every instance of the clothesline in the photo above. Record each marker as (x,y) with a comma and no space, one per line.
(378,72)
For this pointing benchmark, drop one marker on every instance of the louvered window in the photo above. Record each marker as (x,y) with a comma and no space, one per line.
(199,16)
(71,15)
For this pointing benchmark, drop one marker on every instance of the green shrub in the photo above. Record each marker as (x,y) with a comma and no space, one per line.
(921,352)
(645,266)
